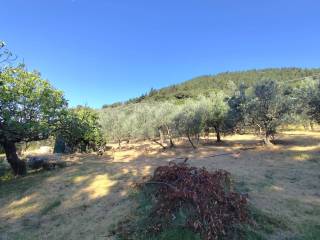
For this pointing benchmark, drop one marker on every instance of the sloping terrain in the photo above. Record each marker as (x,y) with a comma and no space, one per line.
(86,199)
(227,82)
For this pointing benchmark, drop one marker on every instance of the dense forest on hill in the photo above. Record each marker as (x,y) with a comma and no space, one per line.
(227,82)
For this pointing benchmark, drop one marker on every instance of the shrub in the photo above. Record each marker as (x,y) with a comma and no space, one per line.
(79,130)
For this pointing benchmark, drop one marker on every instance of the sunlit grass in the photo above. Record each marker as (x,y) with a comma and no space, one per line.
(96,188)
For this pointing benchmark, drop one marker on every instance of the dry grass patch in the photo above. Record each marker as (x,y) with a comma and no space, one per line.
(83,200)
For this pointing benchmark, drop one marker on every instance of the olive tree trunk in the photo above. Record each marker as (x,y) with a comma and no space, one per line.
(170,136)
(189,138)
(18,166)
(218,134)
(267,139)
(159,143)
(311,126)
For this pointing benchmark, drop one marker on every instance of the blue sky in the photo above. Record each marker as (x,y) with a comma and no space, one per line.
(102,51)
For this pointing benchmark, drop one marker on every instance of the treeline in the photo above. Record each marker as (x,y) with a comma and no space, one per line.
(263,107)
(227,82)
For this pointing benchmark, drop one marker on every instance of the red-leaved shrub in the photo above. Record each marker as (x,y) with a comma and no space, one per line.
(213,208)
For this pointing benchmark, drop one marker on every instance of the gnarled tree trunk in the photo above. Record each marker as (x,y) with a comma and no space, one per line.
(218,134)
(267,139)
(18,166)
(189,138)
(171,142)
(159,143)
(311,126)
(170,137)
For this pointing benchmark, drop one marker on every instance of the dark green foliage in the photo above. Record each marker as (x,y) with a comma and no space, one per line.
(227,82)
(30,109)
(113,105)
(30,106)
(314,104)
(236,116)
(78,130)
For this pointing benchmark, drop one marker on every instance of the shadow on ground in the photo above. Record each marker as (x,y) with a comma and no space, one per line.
(87,198)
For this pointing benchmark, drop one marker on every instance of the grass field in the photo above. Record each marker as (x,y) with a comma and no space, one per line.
(86,199)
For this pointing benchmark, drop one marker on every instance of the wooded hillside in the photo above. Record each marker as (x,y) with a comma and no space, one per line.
(227,82)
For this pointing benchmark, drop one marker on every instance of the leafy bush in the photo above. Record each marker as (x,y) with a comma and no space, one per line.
(79,130)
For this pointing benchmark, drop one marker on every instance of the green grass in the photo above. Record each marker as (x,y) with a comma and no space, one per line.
(309,231)
(5,171)
(268,182)
(261,226)
(267,223)
(242,187)
(248,233)
(17,186)
(176,233)
(50,207)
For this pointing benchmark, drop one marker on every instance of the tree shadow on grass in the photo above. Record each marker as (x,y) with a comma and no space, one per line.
(76,202)
(87,198)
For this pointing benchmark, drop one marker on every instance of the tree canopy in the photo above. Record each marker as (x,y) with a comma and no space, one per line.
(78,129)
(314,103)
(267,107)
(29,110)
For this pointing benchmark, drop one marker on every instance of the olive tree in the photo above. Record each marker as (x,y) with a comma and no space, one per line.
(29,110)
(314,104)
(268,107)
(302,95)
(164,115)
(140,121)
(145,123)
(188,120)
(214,110)
(236,116)
(116,124)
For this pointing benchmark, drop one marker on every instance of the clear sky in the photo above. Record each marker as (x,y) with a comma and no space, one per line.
(102,51)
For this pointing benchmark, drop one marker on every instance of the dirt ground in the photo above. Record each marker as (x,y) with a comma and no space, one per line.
(86,199)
